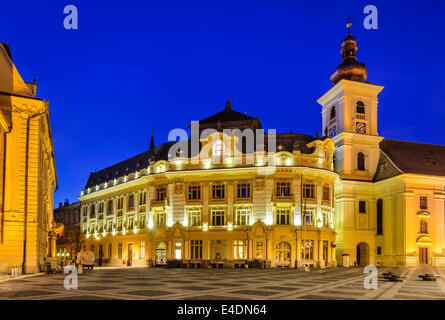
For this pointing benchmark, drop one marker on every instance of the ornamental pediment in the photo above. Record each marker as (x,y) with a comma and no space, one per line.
(424,241)
(423,214)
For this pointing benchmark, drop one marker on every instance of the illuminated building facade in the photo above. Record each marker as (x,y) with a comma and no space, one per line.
(68,242)
(27,173)
(310,200)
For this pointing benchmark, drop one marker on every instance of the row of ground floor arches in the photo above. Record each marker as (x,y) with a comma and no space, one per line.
(256,246)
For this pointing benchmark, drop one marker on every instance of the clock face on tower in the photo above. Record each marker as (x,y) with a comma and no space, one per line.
(360,127)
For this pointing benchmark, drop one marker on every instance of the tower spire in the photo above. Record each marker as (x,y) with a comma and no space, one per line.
(349,68)
(152,142)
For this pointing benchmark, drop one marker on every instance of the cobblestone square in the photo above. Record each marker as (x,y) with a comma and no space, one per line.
(223,284)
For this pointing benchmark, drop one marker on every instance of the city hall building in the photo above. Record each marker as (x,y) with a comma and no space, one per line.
(290,201)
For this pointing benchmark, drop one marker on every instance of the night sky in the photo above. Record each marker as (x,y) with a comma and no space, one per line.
(136,65)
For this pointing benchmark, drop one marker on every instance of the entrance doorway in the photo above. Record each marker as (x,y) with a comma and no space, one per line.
(101,254)
(423,255)
(161,254)
(283,254)
(362,254)
(130,255)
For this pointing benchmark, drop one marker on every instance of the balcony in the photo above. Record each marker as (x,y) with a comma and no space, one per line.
(194,201)
(289,198)
(159,203)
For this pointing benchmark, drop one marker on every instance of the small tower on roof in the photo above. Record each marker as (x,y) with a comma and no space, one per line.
(152,142)
(349,68)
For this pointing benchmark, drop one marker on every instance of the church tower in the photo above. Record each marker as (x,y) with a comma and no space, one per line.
(349,115)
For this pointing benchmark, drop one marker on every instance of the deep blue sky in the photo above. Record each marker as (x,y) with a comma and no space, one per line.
(134,65)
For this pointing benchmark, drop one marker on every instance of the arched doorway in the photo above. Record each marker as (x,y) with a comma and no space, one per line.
(362,254)
(283,254)
(161,254)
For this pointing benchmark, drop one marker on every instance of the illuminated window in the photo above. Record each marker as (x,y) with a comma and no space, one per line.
(307,249)
(240,249)
(142,198)
(142,250)
(283,189)
(119,224)
(326,219)
(217,217)
(101,207)
(196,249)
(130,222)
(161,193)
(159,219)
(243,190)
(423,202)
(141,220)
(242,217)
(326,194)
(194,218)
(282,217)
(308,191)
(218,148)
(218,191)
(194,192)
(109,224)
(308,218)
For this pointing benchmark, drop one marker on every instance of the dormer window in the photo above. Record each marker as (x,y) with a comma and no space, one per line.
(360,108)
(218,148)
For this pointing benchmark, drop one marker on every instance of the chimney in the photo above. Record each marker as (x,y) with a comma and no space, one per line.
(67,203)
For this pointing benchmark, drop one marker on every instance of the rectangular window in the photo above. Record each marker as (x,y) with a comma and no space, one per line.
(142,198)
(308,191)
(110,207)
(240,249)
(130,222)
(119,250)
(161,194)
(142,250)
(130,202)
(423,203)
(194,218)
(307,249)
(160,219)
(101,207)
(362,206)
(109,224)
(259,249)
(308,218)
(326,194)
(120,204)
(110,252)
(217,217)
(194,192)
(282,217)
(326,220)
(196,249)
(92,211)
(119,224)
(218,191)
(243,190)
(283,189)
(242,217)
(142,221)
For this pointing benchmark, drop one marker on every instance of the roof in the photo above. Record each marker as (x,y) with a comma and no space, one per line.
(284,142)
(413,157)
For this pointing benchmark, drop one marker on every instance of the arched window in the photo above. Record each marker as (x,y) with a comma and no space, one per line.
(332,113)
(360,107)
(360,161)
(423,226)
(218,148)
(379,216)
